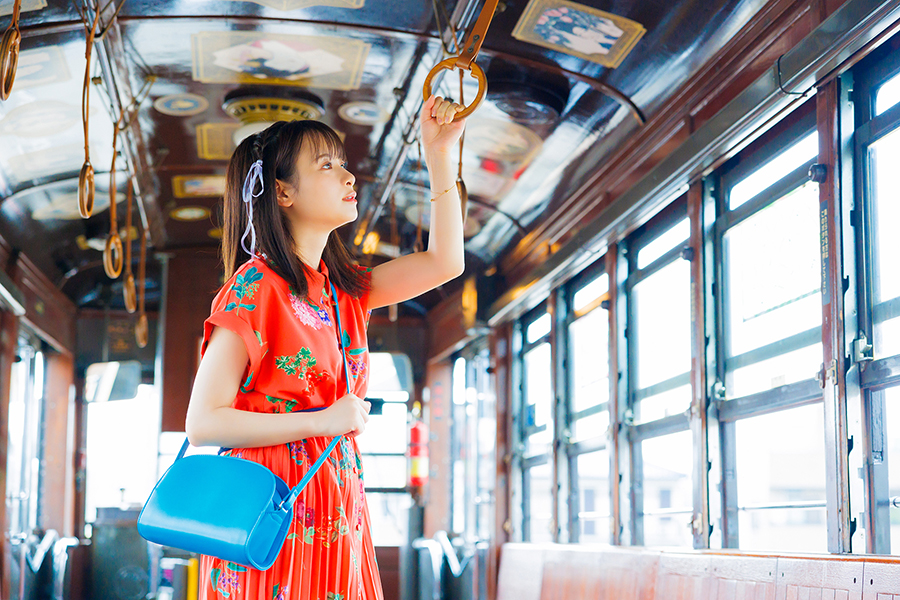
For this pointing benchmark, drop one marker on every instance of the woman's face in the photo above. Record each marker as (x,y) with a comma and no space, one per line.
(323,196)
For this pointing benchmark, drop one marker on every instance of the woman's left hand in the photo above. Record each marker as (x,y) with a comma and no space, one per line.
(440,133)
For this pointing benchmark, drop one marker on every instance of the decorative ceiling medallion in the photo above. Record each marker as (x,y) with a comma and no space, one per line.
(363,113)
(41,66)
(40,119)
(181,105)
(579,30)
(6,6)
(286,5)
(189,213)
(214,140)
(198,186)
(256,57)
(258,107)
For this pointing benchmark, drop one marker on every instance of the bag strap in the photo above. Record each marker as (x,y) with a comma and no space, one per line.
(295,492)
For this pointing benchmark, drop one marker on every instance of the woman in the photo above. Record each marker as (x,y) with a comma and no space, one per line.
(270,350)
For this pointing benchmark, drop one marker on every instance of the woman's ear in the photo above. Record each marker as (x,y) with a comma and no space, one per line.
(282,195)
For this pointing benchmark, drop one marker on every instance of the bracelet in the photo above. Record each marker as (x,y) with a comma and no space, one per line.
(444,192)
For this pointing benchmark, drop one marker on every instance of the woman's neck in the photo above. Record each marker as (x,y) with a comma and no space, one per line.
(309,245)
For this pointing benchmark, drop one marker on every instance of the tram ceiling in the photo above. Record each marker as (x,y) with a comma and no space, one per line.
(551,115)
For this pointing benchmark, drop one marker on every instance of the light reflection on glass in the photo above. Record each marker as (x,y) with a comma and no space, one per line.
(772,171)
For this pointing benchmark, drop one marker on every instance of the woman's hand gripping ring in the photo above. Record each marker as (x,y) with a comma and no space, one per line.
(476,71)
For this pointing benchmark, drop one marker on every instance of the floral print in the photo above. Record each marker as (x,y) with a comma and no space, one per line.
(295,364)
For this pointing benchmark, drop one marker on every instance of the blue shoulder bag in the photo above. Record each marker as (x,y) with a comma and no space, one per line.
(195,506)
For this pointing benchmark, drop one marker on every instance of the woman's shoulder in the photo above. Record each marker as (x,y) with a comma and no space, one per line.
(249,282)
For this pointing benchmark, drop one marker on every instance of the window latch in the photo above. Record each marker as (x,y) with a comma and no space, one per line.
(862,350)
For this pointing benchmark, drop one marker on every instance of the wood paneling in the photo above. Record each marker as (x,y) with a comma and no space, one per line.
(446,330)
(501,365)
(194,278)
(48,311)
(556,571)
(57,495)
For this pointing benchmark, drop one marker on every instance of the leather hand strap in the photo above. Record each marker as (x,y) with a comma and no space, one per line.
(473,43)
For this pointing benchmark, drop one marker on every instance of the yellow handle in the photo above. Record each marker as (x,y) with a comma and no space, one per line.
(477,73)
(112,256)
(86,190)
(9,55)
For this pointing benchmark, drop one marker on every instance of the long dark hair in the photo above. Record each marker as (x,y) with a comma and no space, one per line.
(278,147)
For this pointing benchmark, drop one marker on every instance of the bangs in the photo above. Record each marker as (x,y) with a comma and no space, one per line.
(324,141)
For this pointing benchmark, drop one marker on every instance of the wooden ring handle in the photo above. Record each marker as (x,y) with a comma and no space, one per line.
(141,330)
(477,73)
(86,190)
(130,292)
(9,55)
(112,256)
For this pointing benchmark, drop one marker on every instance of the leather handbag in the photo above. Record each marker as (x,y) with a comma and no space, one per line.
(227,507)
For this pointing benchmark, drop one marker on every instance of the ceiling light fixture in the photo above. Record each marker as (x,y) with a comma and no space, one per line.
(258,107)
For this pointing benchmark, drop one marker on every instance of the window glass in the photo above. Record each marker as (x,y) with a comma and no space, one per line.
(888,95)
(775,169)
(663,313)
(662,405)
(122,451)
(884,155)
(593,494)
(773,278)
(538,328)
(667,489)
(592,426)
(487,447)
(539,498)
(538,399)
(23,466)
(590,292)
(385,432)
(768,374)
(676,234)
(892,441)
(389,517)
(781,481)
(589,360)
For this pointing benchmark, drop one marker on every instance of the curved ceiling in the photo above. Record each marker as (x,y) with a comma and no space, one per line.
(549,118)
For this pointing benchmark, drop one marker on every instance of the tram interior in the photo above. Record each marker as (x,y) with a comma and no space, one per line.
(669,370)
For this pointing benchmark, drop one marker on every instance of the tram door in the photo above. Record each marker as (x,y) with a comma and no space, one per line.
(473,448)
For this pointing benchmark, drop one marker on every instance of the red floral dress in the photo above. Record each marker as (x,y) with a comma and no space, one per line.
(295,364)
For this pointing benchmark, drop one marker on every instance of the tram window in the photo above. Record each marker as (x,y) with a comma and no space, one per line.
(663,352)
(385,432)
(774,170)
(662,244)
(538,328)
(892,440)
(590,293)
(780,466)
(389,516)
(538,400)
(539,503)
(773,297)
(884,155)
(593,494)
(589,364)
(887,95)
(665,467)
(122,451)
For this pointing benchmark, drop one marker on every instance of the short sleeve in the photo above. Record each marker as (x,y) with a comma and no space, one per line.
(240,307)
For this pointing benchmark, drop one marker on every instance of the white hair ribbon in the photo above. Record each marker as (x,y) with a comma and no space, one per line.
(254,175)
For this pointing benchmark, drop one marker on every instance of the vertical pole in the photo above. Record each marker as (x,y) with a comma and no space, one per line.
(698,413)
(612,437)
(837,483)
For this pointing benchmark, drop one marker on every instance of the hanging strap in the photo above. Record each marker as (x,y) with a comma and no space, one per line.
(288,502)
